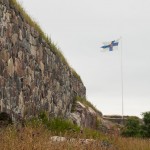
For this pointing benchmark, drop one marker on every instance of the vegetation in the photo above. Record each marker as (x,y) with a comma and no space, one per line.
(62,126)
(30,138)
(37,133)
(56,125)
(86,103)
(145,128)
(132,143)
(133,127)
(48,40)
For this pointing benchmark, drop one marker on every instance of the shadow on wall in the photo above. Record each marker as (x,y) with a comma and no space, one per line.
(5,119)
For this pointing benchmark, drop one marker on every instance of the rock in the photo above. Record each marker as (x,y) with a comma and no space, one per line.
(33,41)
(105,144)
(4,55)
(1,13)
(6,3)
(8,15)
(18,67)
(20,55)
(58,139)
(20,35)
(21,104)
(76,119)
(10,68)
(33,50)
(14,38)
(83,116)
(42,68)
(9,30)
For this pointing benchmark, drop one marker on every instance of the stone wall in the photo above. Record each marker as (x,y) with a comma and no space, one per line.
(85,116)
(32,77)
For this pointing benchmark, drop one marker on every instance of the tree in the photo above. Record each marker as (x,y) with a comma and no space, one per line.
(145,128)
(132,127)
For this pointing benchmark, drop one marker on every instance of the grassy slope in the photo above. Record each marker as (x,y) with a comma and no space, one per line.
(86,103)
(52,46)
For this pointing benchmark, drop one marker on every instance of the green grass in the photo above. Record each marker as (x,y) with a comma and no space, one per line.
(56,125)
(48,40)
(60,126)
(94,134)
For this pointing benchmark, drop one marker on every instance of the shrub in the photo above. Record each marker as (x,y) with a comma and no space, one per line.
(57,125)
(132,127)
(61,125)
(145,128)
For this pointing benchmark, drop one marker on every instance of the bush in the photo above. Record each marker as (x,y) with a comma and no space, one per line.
(145,128)
(132,127)
(61,125)
(57,125)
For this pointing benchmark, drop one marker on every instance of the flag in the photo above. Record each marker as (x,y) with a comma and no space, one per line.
(110,45)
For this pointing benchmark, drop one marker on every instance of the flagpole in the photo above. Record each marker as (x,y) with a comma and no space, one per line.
(122,83)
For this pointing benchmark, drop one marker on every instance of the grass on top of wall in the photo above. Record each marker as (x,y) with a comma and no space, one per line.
(86,103)
(48,40)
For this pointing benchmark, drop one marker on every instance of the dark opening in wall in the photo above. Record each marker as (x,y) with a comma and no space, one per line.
(5,118)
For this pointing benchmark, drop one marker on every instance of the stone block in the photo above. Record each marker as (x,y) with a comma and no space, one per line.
(14,38)
(18,68)
(33,40)
(6,3)
(42,67)
(10,67)
(9,30)
(1,13)
(4,55)
(1,32)
(20,35)
(7,17)
(33,50)
(20,55)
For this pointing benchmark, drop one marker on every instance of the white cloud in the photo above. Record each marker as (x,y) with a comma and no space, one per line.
(79,27)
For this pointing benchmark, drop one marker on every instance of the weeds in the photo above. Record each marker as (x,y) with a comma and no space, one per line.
(87,103)
(29,138)
(37,133)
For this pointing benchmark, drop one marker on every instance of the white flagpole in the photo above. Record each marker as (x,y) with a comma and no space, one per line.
(122,83)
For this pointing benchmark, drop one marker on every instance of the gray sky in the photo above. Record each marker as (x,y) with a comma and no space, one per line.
(79,27)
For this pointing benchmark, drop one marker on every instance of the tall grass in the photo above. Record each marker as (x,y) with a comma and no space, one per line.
(55,125)
(29,138)
(132,143)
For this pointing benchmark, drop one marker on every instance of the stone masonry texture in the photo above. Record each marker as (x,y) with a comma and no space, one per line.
(32,77)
